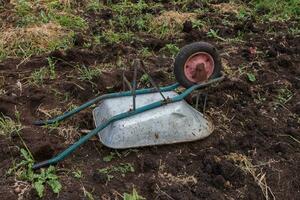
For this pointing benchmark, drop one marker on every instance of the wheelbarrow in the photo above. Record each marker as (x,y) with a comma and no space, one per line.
(151,116)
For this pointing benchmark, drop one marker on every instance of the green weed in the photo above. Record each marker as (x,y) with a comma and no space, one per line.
(198,24)
(23,171)
(111,156)
(145,79)
(8,126)
(51,65)
(251,77)
(133,196)
(145,52)
(122,169)
(214,34)
(94,6)
(277,9)
(171,49)
(88,74)
(283,96)
(77,174)
(24,11)
(87,194)
(71,21)
(112,37)
(37,77)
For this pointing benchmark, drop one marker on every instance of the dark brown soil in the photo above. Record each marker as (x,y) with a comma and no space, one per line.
(247,120)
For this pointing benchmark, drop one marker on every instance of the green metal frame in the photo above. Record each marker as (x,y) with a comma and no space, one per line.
(85,138)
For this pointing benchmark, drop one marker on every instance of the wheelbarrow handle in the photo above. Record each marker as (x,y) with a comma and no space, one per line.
(99,98)
(156,104)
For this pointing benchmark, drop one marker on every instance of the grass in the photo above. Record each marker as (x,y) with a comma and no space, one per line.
(23,171)
(215,34)
(8,126)
(122,168)
(169,23)
(132,196)
(34,40)
(277,9)
(77,174)
(170,49)
(71,22)
(112,37)
(40,27)
(284,95)
(39,76)
(88,74)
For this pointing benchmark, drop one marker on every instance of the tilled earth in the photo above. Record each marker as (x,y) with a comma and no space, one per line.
(252,154)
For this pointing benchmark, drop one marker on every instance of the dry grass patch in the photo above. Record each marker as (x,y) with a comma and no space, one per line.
(24,42)
(169,179)
(173,18)
(170,23)
(245,164)
(227,7)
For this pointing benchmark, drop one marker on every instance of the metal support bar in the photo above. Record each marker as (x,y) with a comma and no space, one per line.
(152,81)
(136,65)
(204,104)
(197,100)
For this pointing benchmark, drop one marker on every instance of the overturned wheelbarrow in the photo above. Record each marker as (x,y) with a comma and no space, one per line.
(152,116)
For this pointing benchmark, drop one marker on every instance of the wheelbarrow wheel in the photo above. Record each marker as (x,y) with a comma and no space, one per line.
(197,62)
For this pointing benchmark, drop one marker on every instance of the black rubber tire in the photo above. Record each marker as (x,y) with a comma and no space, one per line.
(189,50)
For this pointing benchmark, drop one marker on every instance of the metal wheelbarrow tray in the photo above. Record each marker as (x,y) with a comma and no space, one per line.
(168,124)
(153,116)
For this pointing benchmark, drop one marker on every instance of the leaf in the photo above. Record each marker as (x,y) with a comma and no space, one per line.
(251,77)
(50,170)
(133,196)
(88,194)
(104,170)
(77,174)
(109,157)
(39,187)
(55,185)
(26,155)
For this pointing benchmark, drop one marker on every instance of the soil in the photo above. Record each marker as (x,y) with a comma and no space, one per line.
(247,120)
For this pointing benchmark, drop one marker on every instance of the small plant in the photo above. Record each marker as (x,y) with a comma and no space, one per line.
(145,79)
(23,170)
(277,9)
(94,6)
(284,95)
(112,37)
(259,98)
(198,24)
(88,74)
(87,194)
(51,64)
(133,196)
(145,52)
(23,9)
(171,49)
(38,76)
(251,77)
(122,169)
(111,156)
(77,174)
(71,22)
(8,126)
(214,34)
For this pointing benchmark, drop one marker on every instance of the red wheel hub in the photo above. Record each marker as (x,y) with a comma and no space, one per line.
(199,67)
